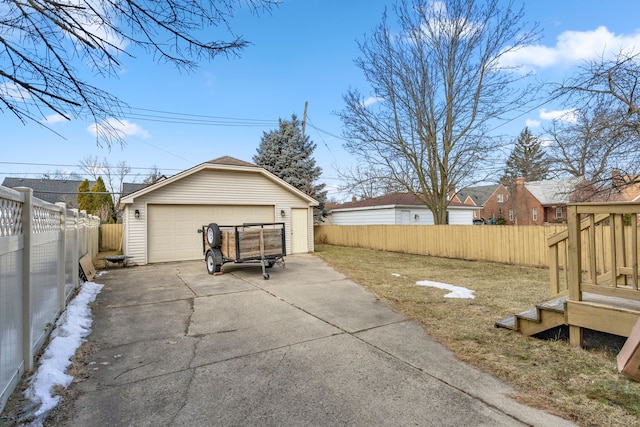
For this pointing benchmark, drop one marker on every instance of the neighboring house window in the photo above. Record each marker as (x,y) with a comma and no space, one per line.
(511,215)
(500,212)
(500,198)
(534,214)
(558,213)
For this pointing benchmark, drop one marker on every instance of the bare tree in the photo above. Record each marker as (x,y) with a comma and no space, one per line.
(438,79)
(61,174)
(114,175)
(605,137)
(614,82)
(591,144)
(154,175)
(42,42)
(365,183)
(92,166)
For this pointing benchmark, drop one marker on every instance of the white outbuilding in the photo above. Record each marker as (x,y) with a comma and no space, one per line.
(396,208)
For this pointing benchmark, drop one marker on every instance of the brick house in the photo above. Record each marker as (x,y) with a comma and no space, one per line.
(540,202)
(491,198)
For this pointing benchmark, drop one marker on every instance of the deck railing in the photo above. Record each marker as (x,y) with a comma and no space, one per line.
(600,248)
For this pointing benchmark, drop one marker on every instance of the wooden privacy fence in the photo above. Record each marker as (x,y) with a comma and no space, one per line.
(521,245)
(111,237)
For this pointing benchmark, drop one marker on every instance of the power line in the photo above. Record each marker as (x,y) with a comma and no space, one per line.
(196,119)
(78,166)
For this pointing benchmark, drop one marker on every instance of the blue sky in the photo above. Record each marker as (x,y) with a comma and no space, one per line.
(302,52)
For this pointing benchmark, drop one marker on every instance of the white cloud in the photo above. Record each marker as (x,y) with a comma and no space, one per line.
(530,123)
(122,128)
(54,118)
(371,100)
(569,116)
(89,18)
(13,91)
(572,48)
(546,142)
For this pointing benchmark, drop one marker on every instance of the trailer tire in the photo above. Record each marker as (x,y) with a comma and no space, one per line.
(212,267)
(214,238)
(270,264)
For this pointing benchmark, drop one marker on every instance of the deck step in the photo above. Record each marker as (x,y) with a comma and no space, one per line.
(543,316)
(507,323)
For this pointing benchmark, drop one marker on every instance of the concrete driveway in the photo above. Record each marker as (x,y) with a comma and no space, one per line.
(178,347)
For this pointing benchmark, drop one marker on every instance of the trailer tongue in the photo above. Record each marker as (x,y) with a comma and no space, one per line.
(262,243)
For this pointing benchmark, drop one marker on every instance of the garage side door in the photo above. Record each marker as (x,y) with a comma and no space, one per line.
(172,229)
(299,231)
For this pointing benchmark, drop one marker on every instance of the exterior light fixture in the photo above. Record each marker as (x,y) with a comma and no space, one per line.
(137,213)
(282,213)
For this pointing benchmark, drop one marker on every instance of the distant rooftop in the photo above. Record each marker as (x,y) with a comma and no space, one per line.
(479,194)
(393,199)
(57,190)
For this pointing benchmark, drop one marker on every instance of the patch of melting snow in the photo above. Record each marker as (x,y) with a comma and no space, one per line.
(396,275)
(456,291)
(71,328)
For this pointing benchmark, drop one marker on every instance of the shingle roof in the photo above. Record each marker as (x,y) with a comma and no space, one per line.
(231,161)
(130,187)
(59,190)
(49,190)
(550,192)
(479,194)
(403,199)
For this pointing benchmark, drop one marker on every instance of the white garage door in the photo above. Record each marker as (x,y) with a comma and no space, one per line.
(172,230)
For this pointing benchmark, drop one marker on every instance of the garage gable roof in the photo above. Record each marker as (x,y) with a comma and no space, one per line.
(225,163)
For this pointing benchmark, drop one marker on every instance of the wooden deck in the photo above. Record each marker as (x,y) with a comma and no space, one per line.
(594,274)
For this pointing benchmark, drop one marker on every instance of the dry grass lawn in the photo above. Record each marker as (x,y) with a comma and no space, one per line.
(581,385)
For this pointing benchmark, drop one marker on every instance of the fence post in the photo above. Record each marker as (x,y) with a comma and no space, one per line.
(574,267)
(62,260)
(75,269)
(27,233)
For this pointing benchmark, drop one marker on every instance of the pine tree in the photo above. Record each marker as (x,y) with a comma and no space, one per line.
(527,160)
(85,198)
(286,154)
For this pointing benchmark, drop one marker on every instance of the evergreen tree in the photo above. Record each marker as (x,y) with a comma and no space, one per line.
(85,198)
(527,160)
(102,202)
(286,154)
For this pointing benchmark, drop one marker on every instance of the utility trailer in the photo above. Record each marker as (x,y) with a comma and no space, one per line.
(262,243)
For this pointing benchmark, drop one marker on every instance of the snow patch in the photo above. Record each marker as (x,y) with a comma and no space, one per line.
(396,275)
(71,328)
(456,291)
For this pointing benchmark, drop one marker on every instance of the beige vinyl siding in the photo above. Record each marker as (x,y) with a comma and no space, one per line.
(214,187)
(136,235)
(224,188)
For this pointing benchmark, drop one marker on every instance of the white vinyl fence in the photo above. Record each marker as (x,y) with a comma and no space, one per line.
(40,248)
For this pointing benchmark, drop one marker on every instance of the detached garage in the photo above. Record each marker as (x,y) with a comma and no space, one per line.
(161,221)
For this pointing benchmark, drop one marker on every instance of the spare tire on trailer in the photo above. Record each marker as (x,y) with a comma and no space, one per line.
(214,238)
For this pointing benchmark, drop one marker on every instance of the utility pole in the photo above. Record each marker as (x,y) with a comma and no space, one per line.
(304,118)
